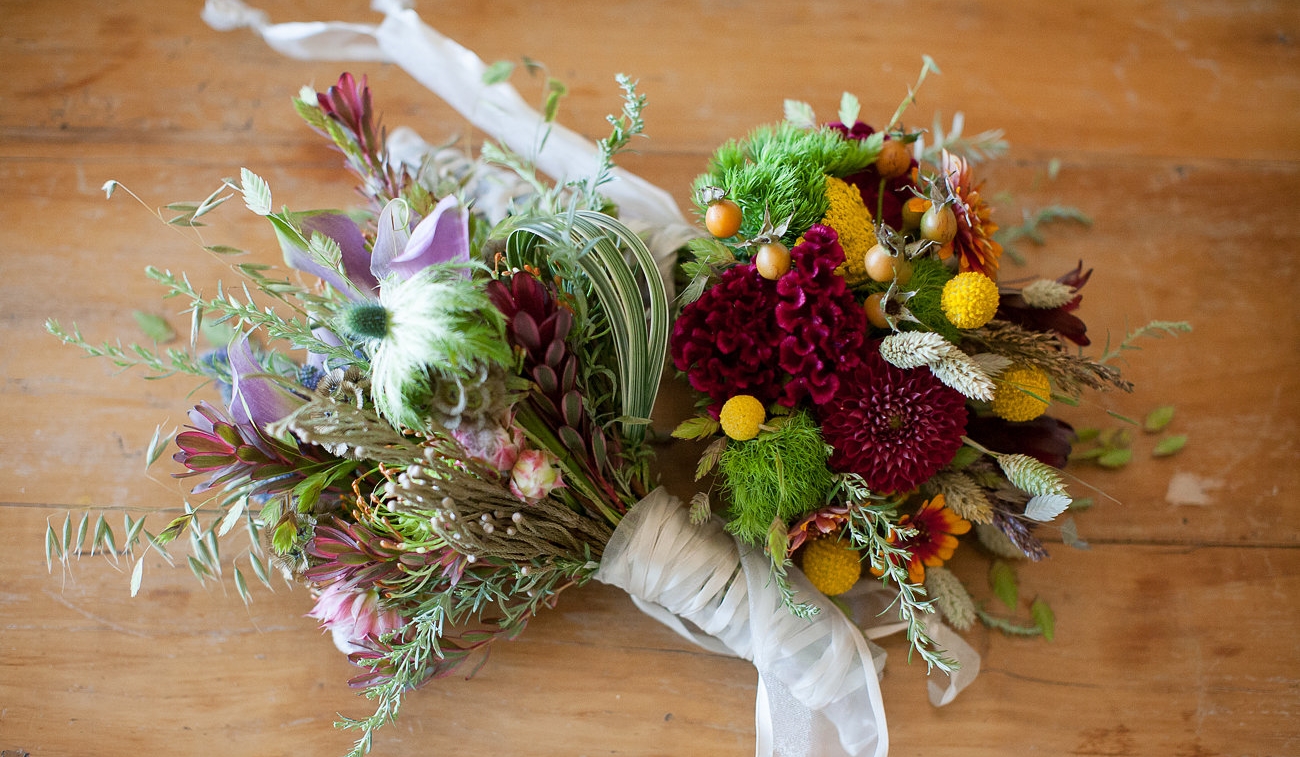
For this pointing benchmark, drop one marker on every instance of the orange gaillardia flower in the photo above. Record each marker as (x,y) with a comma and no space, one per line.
(937,529)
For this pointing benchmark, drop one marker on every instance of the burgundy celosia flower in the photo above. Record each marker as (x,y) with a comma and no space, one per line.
(896,428)
(780,340)
(897,190)
(726,341)
(822,326)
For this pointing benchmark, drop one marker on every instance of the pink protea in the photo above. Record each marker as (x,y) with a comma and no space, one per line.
(353,615)
(536,473)
(494,445)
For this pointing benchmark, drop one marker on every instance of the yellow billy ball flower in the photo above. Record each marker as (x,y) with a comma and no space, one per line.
(741,416)
(1021,393)
(970,300)
(832,565)
(852,221)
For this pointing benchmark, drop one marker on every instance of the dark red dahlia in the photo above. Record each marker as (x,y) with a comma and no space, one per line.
(896,428)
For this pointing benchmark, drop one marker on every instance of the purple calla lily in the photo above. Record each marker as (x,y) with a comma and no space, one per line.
(441,237)
(256,399)
(356,281)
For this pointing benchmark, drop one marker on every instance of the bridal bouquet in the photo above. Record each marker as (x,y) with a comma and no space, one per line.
(439,422)
(438,433)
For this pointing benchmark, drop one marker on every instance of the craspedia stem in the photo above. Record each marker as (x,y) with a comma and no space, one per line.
(367,320)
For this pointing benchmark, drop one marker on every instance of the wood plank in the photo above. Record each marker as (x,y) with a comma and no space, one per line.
(1145,662)
(1174,128)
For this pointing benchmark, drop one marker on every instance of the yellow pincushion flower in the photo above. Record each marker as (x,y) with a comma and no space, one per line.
(1021,393)
(852,221)
(832,565)
(970,300)
(741,417)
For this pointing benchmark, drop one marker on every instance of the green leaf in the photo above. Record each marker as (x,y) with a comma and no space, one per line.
(199,570)
(1081,504)
(308,491)
(232,516)
(965,456)
(849,109)
(1157,419)
(137,575)
(242,587)
(1115,458)
(224,249)
(257,193)
(174,528)
(1044,618)
(1085,435)
(699,427)
(800,114)
(1169,445)
(157,445)
(51,547)
(498,72)
(1002,577)
(709,458)
(284,536)
(154,327)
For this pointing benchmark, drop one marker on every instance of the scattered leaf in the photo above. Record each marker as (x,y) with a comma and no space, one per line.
(1169,445)
(1115,458)
(1070,535)
(1157,419)
(1002,577)
(1044,617)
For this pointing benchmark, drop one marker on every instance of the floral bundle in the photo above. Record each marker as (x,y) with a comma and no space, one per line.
(875,385)
(447,426)
(441,432)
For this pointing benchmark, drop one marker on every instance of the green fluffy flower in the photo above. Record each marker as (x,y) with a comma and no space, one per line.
(426,330)
(779,474)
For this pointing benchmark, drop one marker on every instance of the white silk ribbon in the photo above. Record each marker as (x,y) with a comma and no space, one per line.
(818,691)
(455,74)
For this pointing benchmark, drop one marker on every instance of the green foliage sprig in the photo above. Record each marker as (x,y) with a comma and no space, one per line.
(872,527)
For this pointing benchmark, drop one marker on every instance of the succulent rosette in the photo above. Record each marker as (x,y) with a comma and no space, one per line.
(852,304)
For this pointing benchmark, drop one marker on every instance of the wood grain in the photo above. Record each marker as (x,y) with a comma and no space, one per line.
(1174,128)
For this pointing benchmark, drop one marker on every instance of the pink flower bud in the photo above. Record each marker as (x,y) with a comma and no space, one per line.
(534,475)
(353,615)
(494,446)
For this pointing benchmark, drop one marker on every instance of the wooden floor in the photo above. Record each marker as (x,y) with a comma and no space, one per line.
(1174,126)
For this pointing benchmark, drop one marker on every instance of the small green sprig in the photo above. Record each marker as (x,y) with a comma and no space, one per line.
(159,364)
(873,529)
